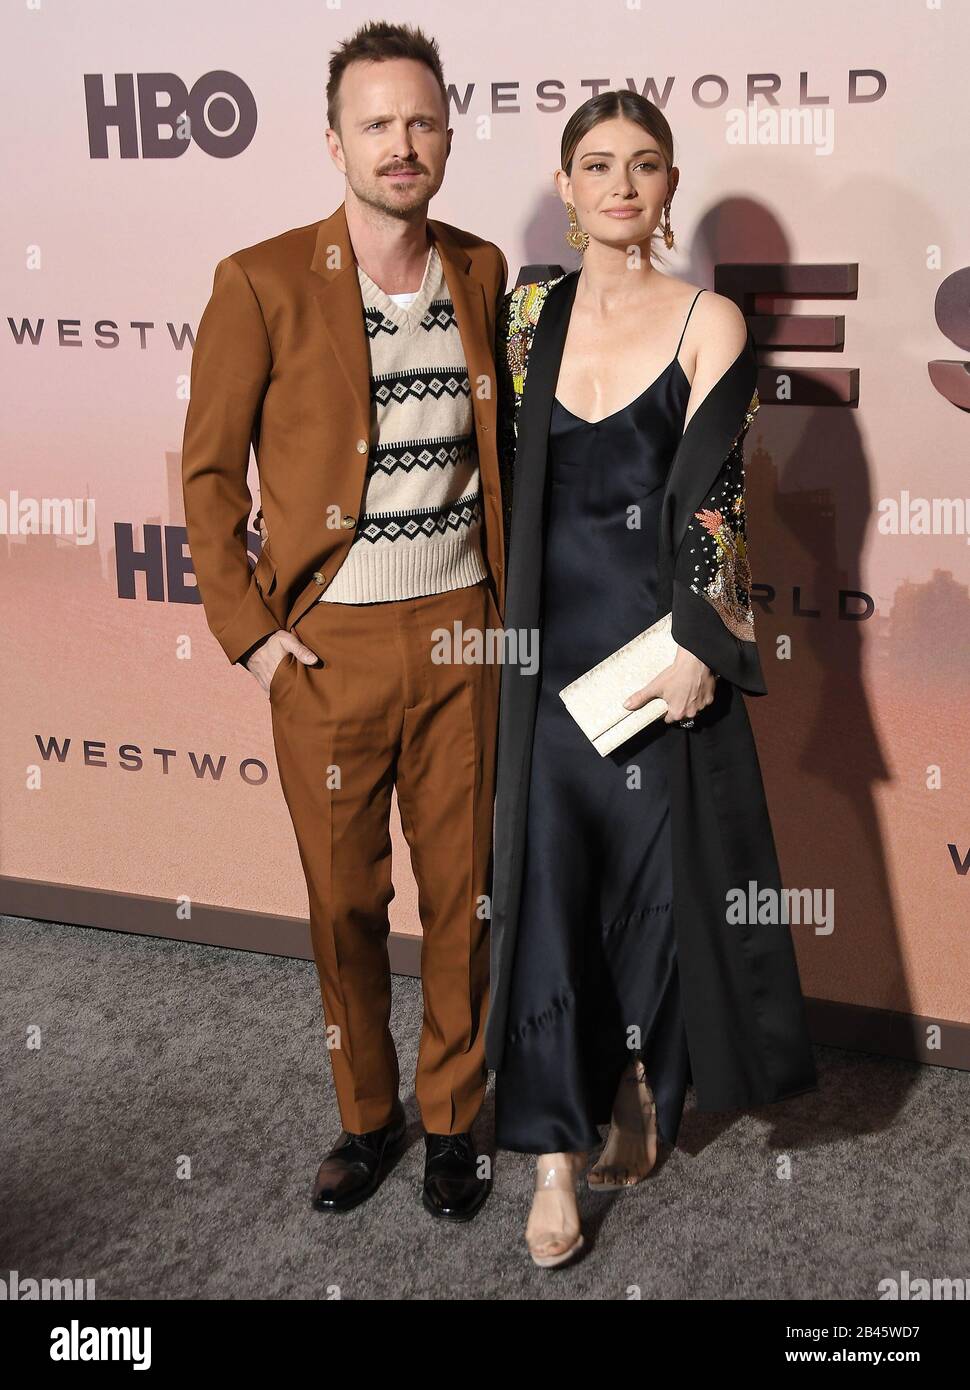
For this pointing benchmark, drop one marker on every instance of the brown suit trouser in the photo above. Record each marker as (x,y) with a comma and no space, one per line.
(381,713)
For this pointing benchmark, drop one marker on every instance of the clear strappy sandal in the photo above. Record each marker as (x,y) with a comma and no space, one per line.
(549,1248)
(633,1141)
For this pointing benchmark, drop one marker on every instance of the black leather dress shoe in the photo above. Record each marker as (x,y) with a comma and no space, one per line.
(452,1187)
(353,1169)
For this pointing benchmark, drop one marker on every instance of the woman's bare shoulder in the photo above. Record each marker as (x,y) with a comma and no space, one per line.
(721,329)
(719,335)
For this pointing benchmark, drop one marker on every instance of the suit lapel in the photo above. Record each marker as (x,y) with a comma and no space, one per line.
(476,329)
(531,453)
(466,296)
(342,308)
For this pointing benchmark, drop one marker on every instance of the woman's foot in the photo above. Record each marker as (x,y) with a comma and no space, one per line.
(630,1151)
(552,1232)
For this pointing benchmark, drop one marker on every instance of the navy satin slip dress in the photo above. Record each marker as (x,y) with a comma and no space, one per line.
(594,978)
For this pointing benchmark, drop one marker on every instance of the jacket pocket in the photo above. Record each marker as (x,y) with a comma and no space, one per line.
(265,572)
(284,660)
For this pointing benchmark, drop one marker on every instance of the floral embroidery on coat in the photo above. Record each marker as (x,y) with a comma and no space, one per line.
(517,321)
(717,537)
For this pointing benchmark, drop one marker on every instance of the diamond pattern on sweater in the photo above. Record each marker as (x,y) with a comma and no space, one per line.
(393,526)
(448,451)
(418,384)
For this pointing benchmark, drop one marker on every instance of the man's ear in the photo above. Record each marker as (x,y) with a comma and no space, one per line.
(335,150)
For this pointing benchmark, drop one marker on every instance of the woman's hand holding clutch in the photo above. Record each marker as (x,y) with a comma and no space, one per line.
(687,686)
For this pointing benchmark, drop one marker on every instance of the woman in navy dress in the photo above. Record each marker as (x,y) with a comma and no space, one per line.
(596,1030)
(597,931)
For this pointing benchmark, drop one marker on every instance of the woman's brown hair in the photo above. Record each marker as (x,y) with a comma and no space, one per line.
(604,107)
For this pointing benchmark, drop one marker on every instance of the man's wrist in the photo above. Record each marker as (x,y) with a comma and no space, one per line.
(255,647)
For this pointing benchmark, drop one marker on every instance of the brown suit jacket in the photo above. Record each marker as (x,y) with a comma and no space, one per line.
(281,361)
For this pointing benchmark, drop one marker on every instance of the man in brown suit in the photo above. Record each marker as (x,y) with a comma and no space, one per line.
(285,358)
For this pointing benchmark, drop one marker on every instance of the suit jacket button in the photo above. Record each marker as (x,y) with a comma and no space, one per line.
(349,521)
(362,446)
(319,578)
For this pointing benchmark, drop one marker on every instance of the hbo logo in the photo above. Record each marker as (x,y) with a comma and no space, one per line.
(218,114)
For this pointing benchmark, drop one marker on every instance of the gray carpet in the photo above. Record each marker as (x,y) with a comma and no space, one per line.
(153,1052)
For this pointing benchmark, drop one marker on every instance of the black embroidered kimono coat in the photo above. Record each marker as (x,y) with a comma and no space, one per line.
(743,1009)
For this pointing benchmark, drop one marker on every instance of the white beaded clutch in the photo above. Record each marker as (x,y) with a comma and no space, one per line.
(595,699)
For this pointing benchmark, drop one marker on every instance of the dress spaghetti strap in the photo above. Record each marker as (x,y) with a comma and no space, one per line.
(687,321)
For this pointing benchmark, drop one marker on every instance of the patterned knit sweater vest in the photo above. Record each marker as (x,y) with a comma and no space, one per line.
(420,530)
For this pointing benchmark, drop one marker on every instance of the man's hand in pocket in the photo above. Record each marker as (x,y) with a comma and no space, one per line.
(265,659)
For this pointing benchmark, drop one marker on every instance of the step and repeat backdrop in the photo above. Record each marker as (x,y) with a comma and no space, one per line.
(822,185)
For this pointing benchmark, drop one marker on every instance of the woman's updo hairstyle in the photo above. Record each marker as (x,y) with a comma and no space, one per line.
(605,107)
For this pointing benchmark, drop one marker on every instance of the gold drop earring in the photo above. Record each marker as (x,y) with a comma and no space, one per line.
(577,239)
(668,234)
